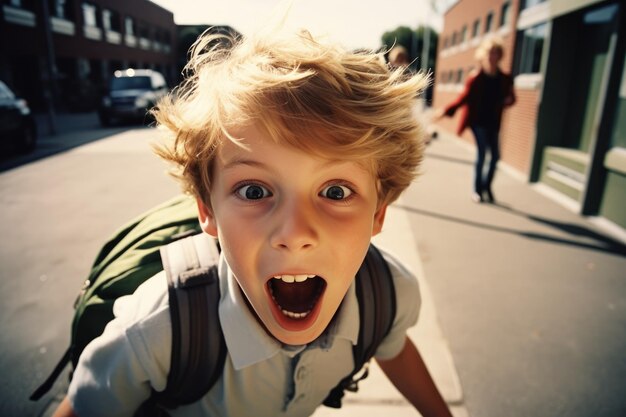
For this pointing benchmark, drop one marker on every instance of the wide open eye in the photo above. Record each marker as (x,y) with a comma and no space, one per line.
(252,192)
(336,192)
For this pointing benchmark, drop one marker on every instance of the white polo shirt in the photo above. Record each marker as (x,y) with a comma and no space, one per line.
(262,377)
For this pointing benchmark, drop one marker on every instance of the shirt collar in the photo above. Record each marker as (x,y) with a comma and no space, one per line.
(247,341)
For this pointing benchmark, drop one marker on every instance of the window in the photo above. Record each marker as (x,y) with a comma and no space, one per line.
(111,20)
(463,36)
(106,19)
(526,4)
(89,15)
(144,31)
(505,14)
(167,42)
(488,22)
(130,83)
(60,9)
(476,28)
(145,34)
(454,39)
(459,76)
(530,49)
(129,26)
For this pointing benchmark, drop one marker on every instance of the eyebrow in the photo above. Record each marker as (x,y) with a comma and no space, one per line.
(243,161)
(237,161)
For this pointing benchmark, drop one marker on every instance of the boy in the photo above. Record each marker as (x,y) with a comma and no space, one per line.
(293,150)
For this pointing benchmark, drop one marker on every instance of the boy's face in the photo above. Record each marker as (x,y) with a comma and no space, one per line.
(294,229)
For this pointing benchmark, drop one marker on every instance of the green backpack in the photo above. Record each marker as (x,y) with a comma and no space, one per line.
(135,253)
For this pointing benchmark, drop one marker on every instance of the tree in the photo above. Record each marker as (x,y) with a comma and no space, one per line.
(413,41)
(402,35)
(188,34)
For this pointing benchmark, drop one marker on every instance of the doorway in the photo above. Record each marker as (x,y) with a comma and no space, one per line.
(589,77)
(577,76)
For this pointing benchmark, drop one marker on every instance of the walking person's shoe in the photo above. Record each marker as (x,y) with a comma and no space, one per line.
(477,197)
(489,196)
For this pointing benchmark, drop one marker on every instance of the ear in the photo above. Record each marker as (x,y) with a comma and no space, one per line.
(379,219)
(207,220)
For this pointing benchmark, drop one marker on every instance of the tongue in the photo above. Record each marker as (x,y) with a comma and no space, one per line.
(297,297)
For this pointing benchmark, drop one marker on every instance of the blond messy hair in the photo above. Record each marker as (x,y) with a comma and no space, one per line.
(312,96)
(492,42)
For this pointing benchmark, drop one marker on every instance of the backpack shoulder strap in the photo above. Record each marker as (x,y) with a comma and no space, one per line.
(377,310)
(198,346)
(377,305)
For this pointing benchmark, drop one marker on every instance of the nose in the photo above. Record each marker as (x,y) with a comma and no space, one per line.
(296,226)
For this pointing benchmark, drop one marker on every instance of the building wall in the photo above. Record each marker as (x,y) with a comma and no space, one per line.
(518,129)
(85,55)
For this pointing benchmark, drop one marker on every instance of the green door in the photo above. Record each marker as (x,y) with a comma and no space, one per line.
(589,73)
(579,74)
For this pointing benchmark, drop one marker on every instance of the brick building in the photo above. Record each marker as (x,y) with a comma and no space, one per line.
(567,130)
(88,41)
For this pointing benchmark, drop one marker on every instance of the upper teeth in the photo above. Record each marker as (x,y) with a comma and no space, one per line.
(293,278)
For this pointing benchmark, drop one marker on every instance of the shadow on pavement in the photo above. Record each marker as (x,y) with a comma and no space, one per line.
(53,147)
(604,243)
(570,228)
(73,130)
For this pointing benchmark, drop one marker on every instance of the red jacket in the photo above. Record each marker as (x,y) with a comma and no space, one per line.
(472,95)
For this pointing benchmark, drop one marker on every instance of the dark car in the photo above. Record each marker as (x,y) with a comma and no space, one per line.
(18,129)
(130,94)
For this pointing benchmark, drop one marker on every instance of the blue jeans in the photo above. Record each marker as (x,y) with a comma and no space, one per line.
(486,139)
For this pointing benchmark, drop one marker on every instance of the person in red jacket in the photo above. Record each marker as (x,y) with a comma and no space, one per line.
(487,92)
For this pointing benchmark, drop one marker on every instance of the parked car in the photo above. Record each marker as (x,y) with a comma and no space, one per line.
(130,94)
(18,129)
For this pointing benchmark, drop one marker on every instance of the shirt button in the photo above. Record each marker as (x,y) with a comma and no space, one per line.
(301,374)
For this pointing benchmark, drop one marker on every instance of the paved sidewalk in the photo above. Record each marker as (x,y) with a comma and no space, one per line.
(529,294)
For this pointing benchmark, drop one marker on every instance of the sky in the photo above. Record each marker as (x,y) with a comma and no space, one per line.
(353,23)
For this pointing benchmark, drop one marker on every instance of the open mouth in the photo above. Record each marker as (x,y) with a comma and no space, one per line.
(296,295)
